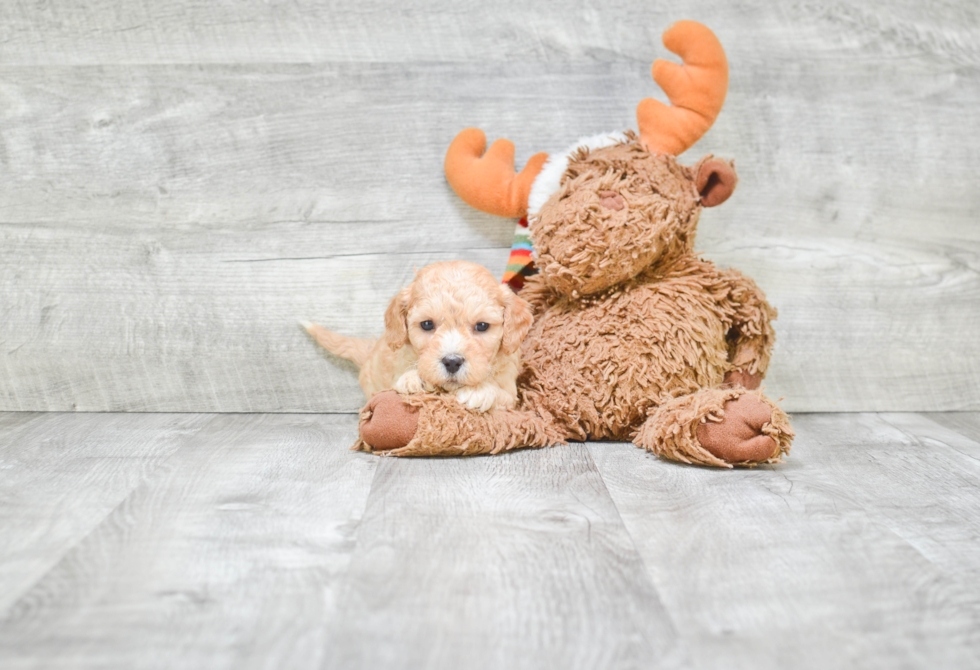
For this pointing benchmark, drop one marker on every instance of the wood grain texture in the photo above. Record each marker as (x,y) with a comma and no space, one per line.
(966,424)
(860,551)
(203,31)
(230,554)
(518,561)
(260,541)
(63,474)
(180,181)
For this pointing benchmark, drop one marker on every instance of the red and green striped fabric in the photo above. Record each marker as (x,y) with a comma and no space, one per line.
(520,265)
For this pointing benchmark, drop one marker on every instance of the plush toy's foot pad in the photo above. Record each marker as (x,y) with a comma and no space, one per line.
(388,422)
(739,436)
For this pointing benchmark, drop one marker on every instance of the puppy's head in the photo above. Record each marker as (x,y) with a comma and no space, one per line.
(458,319)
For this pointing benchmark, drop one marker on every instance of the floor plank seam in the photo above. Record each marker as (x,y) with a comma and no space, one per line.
(633,545)
(920,440)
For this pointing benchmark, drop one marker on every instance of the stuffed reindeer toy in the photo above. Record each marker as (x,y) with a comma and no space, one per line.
(634,337)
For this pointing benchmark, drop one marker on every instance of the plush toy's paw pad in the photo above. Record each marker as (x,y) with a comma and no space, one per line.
(388,422)
(738,436)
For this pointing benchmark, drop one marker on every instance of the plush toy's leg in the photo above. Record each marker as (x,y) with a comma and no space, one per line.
(722,426)
(438,425)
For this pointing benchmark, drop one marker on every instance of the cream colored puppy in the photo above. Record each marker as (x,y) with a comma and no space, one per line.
(454,329)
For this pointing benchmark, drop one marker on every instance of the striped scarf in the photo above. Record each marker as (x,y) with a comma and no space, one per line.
(520,265)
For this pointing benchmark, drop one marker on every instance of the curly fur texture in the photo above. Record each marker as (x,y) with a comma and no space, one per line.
(635,336)
(470,317)
(443,430)
(672,429)
(584,247)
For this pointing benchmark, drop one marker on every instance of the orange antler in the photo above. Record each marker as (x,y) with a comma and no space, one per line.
(696,90)
(488,181)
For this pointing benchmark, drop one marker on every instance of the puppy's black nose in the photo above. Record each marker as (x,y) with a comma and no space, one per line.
(453,363)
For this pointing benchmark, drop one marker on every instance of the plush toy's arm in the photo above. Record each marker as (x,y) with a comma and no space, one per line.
(751,337)
(438,425)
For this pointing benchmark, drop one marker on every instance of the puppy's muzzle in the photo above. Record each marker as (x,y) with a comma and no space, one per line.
(453,363)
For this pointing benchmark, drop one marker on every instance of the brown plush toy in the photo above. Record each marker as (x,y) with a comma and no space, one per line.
(635,337)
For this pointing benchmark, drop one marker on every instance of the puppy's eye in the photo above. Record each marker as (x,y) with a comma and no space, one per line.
(482,327)
(427,325)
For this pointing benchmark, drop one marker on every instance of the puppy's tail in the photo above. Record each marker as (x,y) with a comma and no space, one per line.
(352,348)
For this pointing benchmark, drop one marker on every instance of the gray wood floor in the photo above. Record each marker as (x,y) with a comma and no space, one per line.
(212,541)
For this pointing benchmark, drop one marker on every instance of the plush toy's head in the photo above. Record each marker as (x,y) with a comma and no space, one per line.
(612,205)
(617,211)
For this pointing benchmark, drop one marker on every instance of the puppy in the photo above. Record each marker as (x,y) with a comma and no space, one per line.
(454,329)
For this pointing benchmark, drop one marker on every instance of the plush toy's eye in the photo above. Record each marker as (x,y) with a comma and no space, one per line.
(483,326)
(427,325)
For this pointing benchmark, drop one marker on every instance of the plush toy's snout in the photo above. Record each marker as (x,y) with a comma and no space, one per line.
(611,200)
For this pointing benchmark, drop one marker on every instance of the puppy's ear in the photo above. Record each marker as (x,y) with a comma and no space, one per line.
(517,320)
(396,320)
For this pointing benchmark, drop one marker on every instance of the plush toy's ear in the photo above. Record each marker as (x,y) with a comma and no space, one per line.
(517,320)
(716,181)
(396,320)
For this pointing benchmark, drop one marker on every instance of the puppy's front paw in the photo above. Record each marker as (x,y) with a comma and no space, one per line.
(477,398)
(410,382)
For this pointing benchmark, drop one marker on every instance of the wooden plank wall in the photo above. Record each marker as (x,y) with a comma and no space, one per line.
(180,181)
